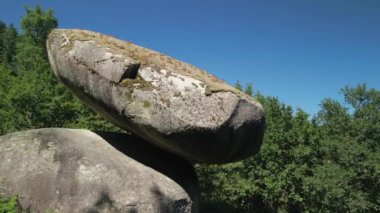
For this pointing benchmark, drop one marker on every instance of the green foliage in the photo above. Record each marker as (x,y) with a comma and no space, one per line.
(366,116)
(248,89)
(8,205)
(30,96)
(29,57)
(238,86)
(328,163)
(325,163)
(334,118)
(37,24)
(8,36)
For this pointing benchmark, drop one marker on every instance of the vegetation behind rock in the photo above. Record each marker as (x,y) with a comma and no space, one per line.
(320,163)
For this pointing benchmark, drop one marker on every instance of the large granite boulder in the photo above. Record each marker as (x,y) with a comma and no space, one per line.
(79,171)
(167,102)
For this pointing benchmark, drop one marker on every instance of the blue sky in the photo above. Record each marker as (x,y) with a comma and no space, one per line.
(300,51)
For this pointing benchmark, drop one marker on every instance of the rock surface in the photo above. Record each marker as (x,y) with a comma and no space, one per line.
(79,171)
(170,103)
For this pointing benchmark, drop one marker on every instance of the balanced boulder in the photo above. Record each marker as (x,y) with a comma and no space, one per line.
(167,102)
(68,170)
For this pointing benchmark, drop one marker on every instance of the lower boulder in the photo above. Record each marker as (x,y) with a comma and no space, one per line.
(69,170)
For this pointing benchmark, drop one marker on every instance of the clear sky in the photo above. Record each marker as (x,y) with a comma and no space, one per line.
(300,51)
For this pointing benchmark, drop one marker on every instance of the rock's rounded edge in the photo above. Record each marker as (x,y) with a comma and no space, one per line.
(52,169)
(250,143)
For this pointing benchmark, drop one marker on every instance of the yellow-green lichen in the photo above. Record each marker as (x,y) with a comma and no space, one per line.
(177,94)
(146,104)
(138,82)
(147,57)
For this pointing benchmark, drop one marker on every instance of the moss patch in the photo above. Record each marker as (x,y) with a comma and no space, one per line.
(138,82)
(146,104)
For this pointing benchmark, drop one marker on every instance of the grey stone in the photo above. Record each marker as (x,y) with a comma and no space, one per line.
(70,170)
(170,103)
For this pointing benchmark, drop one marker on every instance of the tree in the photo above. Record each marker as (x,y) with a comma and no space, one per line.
(3,28)
(8,36)
(306,164)
(366,117)
(30,95)
(347,179)
(334,118)
(31,48)
(30,57)
(238,86)
(271,180)
(248,89)
(6,82)
(328,162)
(37,24)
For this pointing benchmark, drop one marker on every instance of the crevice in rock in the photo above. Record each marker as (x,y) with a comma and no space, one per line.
(130,72)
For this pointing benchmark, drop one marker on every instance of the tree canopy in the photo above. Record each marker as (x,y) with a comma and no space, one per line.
(328,162)
(30,95)
(37,24)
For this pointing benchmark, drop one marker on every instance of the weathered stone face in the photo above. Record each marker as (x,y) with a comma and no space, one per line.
(68,170)
(169,103)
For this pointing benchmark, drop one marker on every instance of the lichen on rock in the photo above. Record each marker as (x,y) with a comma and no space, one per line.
(171,103)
